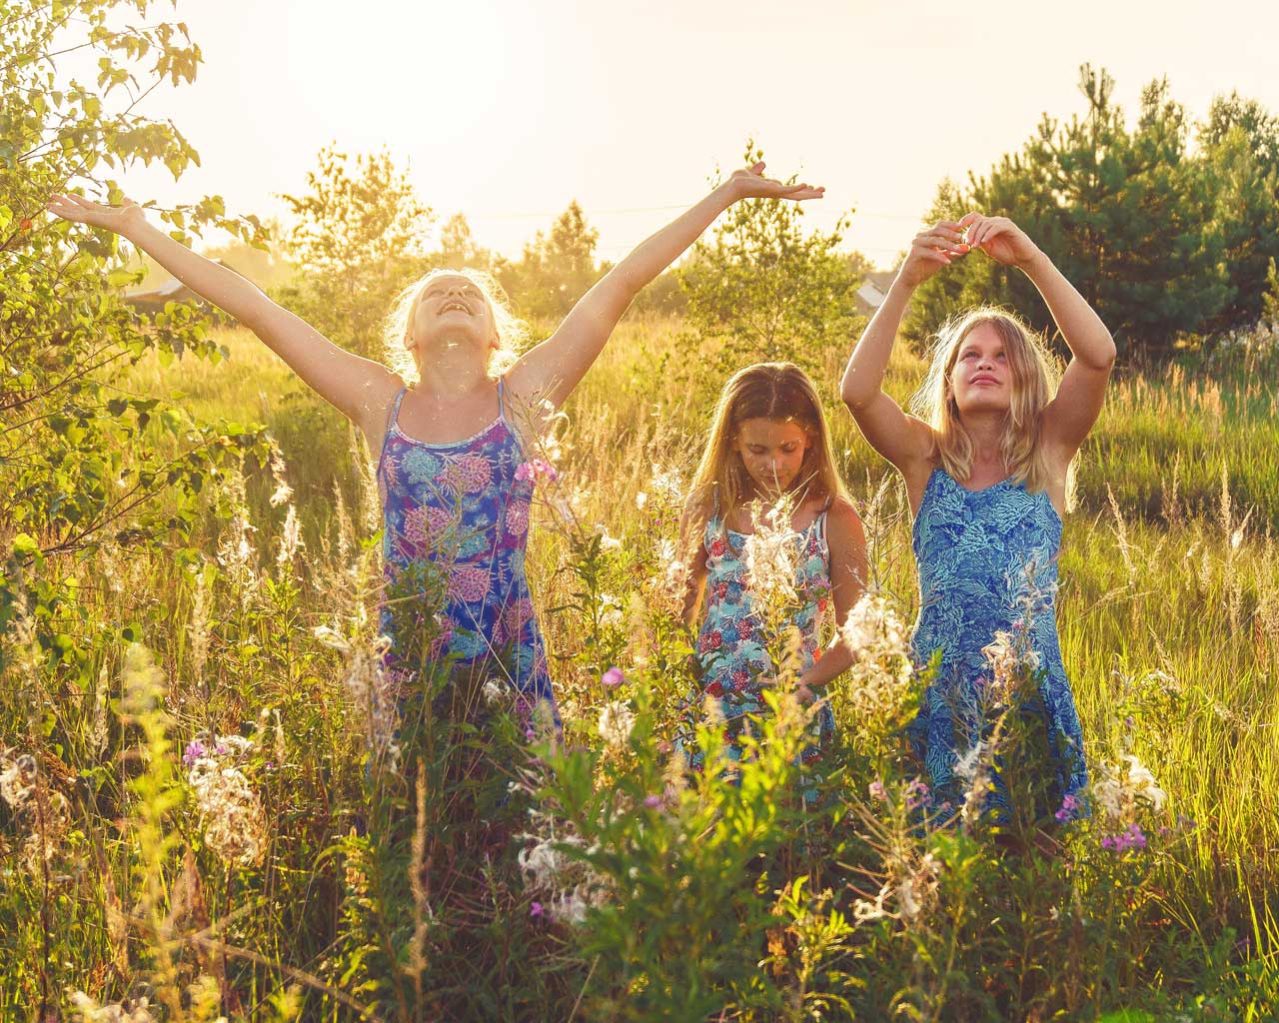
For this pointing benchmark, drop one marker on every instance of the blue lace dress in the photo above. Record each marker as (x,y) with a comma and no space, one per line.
(455,526)
(973,549)
(730,647)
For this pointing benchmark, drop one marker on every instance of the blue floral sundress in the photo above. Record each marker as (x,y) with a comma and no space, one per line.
(972,549)
(456,519)
(730,648)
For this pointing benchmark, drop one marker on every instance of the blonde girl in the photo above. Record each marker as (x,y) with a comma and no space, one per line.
(453,468)
(987,464)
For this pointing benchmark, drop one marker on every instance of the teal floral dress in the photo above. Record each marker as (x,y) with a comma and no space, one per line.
(455,526)
(731,654)
(973,549)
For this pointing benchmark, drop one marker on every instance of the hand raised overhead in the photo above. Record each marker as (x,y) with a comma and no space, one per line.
(80,210)
(931,250)
(998,237)
(750,183)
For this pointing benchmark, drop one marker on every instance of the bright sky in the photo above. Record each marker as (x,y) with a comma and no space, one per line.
(506,110)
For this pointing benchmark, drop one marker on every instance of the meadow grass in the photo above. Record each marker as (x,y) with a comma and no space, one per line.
(1169,621)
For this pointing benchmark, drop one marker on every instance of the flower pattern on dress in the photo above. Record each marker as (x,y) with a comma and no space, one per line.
(444,504)
(730,645)
(972,549)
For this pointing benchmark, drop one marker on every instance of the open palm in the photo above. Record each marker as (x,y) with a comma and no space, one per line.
(80,210)
(750,183)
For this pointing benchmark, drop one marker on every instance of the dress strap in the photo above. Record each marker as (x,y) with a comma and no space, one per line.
(821,519)
(391,419)
(501,397)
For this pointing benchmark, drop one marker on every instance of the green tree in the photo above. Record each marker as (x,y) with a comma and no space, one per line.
(1239,145)
(763,289)
(77,465)
(81,463)
(360,236)
(458,247)
(1125,213)
(556,269)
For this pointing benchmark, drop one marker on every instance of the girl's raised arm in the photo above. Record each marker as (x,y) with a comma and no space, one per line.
(357,387)
(903,439)
(1077,404)
(553,368)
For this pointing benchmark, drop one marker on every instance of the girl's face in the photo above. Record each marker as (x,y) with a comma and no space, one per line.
(452,312)
(772,450)
(981,378)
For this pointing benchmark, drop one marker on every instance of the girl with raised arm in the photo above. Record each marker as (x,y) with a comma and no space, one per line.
(454,465)
(987,465)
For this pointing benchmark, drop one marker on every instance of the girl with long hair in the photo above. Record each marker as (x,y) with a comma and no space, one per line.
(988,464)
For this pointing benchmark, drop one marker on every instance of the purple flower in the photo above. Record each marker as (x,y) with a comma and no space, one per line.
(613,677)
(877,791)
(1133,838)
(535,910)
(916,794)
(524,473)
(1069,806)
(652,802)
(194,751)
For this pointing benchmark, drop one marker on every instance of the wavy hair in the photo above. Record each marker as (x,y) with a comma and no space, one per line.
(1034,378)
(511,331)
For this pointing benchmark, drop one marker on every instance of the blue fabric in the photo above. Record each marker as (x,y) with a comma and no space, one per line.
(462,509)
(973,549)
(731,649)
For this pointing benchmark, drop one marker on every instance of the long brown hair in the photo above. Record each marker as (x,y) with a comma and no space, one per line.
(768,390)
(1034,379)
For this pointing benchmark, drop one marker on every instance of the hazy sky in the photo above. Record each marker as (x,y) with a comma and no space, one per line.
(508,109)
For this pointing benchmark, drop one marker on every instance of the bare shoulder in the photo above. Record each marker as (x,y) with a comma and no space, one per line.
(842,521)
(374,411)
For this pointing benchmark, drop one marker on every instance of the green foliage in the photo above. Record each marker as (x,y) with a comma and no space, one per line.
(360,236)
(762,289)
(1126,213)
(556,268)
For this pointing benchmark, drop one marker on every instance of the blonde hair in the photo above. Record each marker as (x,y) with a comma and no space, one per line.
(511,331)
(767,390)
(1034,378)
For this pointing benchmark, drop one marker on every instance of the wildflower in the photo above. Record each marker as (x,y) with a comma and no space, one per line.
(536,469)
(1132,838)
(615,723)
(234,821)
(492,691)
(290,538)
(1068,810)
(878,792)
(641,499)
(653,802)
(772,560)
(194,751)
(535,909)
(132,1012)
(610,609)
(967,765)
(613,677)
(1011,661)
(1118,790)
(882,673)
(916,794)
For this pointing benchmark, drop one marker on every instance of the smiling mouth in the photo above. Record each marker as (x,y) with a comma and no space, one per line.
(450,306)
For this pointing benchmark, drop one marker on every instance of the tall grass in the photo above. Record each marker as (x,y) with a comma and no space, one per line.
(376,894)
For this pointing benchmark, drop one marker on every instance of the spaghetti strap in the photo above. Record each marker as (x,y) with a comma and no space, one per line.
(821,519)
(501,397)
(391,419)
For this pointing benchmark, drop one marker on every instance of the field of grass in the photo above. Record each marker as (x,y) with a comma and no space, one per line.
(1169,621)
